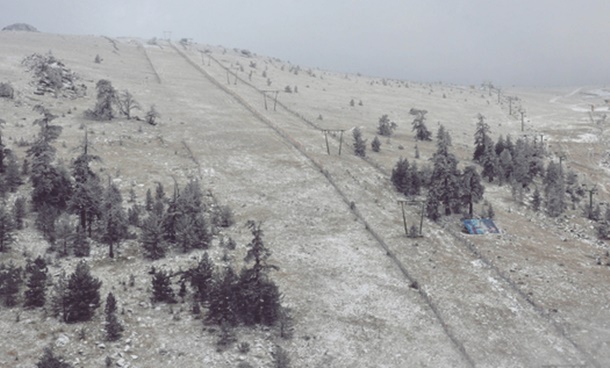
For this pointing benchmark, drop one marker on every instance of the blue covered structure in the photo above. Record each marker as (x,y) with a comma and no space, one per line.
(480,226)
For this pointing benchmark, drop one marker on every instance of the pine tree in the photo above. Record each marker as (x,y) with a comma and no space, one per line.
(554,190)
(400,175)
(10,283)
(200,277)
(386,127)
(202,234)
(482,141)
(445,179)
(257,251)
(149,201)
(224,298)
(491,164)
(7,228)
(12,174)
(114,329)
(185,233)
(82,295)
(86,198)
(259,299)
(19,211)
(375,144)
(152,237)
(80,243)
(2,167)
(536,200)
(45,222)
(359,143)
(49,360)
(35,295)
(161,288)
(63,234)
(505,162)
(51,184)
(106,101)
(419,125)
(471,188)
(114,220)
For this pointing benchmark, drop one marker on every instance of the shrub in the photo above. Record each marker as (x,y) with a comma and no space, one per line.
(359,143)
(6,90)
(375,144)
(386,127)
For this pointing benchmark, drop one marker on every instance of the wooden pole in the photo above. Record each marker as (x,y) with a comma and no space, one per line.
(235,83)
(404,217)
(340,142)
(265,97)
(522,121)
(275,100)
(421,220)
(326,139)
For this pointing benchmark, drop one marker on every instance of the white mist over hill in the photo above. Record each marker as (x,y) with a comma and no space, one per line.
(518,42)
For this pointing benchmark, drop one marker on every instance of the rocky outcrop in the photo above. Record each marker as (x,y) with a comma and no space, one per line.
(20,27)
(52,76)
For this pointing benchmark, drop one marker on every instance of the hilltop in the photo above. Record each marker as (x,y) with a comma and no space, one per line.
(250,128)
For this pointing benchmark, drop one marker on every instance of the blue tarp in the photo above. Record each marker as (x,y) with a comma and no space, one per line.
(480,226)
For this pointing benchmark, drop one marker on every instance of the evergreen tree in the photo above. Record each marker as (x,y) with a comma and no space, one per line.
(224,298)
(521,163)
(63,234)
(51,184)
(505,162)
(419,125)
(472,190)
(445,179)
(149,201)
(400,175)
(359,143)
(36,271)
(482,141)
(45,222)
(161,288)
(19,212)
(259,299)
(82,294)
(257,251)
(7,228)
(200,277)
(59,301)
(12,174)
(554,190)
(2,167)
(114,329)
(386,127)
(50,360)
(114,220)
(152,237)
(376,144)
(491,164)
(10,283)
(80,243)
(202,234)
(536,200)
(185,233)
(106,101)
(88,192)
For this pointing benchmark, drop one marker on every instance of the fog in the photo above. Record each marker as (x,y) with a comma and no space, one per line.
(517,42)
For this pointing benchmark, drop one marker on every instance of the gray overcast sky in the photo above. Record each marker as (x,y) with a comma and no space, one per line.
(522,42)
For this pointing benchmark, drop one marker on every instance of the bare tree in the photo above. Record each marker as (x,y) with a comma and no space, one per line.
(127,103)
